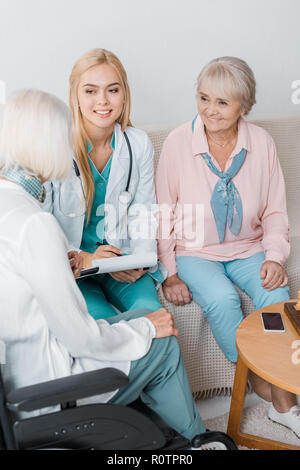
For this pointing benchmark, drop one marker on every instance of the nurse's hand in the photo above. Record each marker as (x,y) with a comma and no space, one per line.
(273,275)
(106,251)
(130,276)
(76,262)
(163,322)
(176,291)
(103,251)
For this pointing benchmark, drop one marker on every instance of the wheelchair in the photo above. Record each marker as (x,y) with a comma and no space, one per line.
(101,426)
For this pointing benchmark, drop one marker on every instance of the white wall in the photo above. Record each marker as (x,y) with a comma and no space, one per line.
(163,44)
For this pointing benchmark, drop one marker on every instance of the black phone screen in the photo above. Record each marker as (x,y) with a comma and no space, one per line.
(272,321)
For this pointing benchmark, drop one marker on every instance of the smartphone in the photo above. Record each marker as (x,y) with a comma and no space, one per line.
(272,322)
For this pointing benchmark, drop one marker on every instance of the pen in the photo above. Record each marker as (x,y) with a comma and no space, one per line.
(102,244)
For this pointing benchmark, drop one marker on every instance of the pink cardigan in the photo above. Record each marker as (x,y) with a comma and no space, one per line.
(184,186)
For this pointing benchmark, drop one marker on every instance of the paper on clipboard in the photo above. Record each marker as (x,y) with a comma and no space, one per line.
(123,263)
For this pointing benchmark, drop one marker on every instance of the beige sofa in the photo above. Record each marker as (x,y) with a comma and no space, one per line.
(210,372)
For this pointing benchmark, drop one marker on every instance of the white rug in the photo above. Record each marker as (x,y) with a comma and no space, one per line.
(255,421)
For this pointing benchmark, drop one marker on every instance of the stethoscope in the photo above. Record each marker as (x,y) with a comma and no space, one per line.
(125,197)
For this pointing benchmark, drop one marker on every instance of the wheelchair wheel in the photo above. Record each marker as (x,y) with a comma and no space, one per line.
(213,440)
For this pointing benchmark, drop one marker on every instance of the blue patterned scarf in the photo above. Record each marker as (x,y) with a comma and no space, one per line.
(226,201)
(28,181)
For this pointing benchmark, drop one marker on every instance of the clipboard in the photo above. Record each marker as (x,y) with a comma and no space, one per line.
(120,263)
(125,262)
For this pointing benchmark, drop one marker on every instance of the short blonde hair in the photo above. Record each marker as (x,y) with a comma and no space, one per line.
(88,60)
(230,77)
(35,134)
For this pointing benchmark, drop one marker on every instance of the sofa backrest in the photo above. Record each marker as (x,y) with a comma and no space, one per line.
(286,134)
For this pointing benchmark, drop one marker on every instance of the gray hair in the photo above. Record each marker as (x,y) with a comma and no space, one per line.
(36,134)
(231,77)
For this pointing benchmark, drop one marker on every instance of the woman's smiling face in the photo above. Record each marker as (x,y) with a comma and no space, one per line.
(100,96)
(217,113)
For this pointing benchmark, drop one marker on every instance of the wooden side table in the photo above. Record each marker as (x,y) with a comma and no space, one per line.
(269,355)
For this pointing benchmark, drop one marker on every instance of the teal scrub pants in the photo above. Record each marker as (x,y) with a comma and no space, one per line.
(160,380)
(102,291)
(211,284)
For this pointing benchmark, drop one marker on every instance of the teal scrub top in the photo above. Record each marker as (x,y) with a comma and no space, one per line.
(93,232)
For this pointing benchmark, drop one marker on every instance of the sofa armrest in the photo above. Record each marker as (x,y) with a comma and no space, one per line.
(65,390)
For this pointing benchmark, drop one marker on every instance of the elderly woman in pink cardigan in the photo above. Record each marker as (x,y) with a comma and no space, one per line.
(223,217)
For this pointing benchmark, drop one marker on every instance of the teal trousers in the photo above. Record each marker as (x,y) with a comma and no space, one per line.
(102,291)
(211,283)
(160,380)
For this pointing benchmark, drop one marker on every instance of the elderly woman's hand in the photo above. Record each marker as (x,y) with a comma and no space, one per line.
(176,291)
(76,262)
(273,275)
(163,322)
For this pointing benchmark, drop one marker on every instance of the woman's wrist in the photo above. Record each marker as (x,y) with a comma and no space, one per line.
(87,259)
(171,279)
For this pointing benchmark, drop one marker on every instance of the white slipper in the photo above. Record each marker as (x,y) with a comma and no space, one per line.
(290,419)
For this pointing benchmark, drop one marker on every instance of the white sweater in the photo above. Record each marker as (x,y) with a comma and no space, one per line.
(44,321)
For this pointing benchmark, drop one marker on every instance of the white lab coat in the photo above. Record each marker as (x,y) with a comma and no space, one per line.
(122,222)
(44,322)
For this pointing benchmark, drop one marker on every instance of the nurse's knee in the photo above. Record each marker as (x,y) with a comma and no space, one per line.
(138,312)
(145,303)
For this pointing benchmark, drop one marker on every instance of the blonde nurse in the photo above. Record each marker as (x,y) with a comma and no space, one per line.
(113,178)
